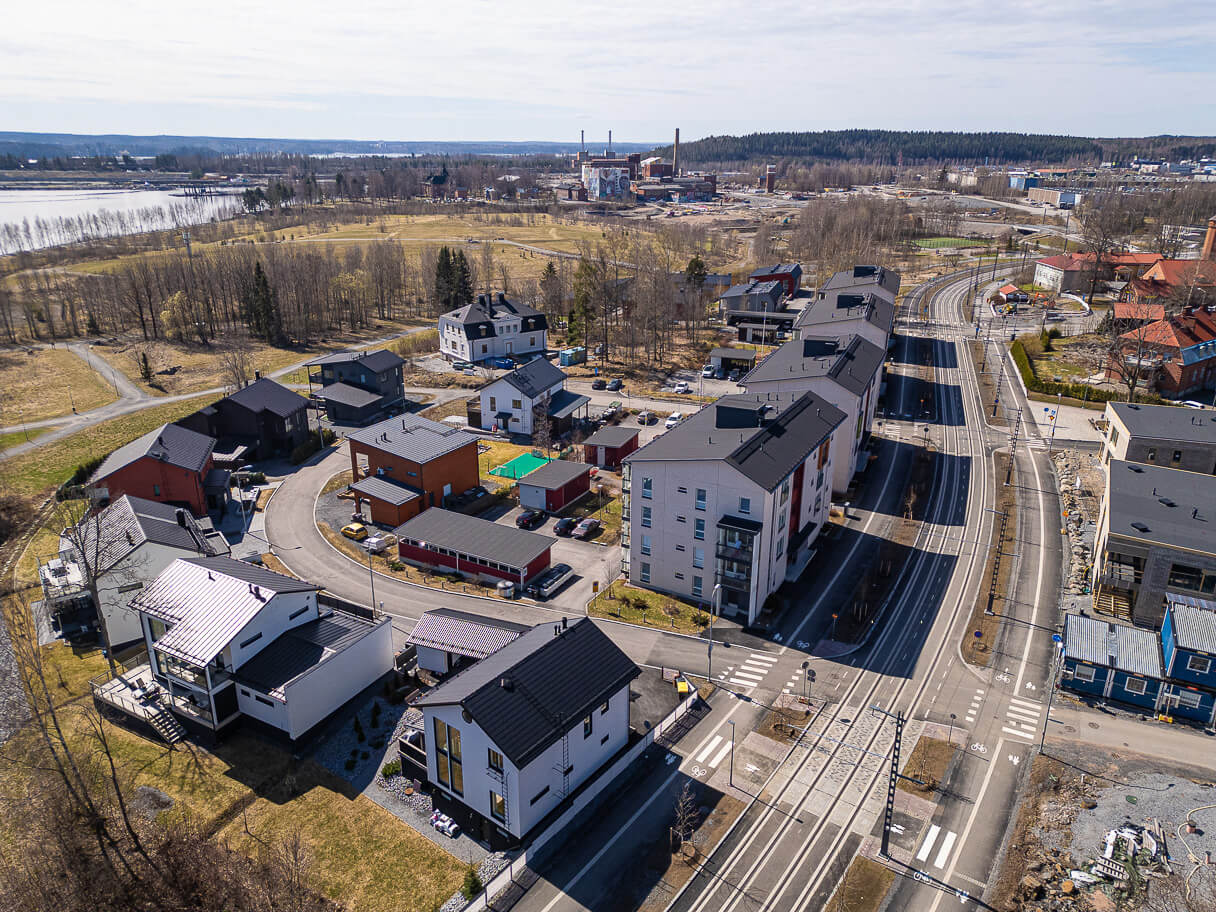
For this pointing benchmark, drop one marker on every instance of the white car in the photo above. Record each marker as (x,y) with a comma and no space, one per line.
(682,387)
(672,420)
(707,371)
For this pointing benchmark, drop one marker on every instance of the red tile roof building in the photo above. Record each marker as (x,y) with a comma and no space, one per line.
(1177,354)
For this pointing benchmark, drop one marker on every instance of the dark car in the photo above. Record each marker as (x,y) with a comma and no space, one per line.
(565,525)
(598,384)
(615,384)
(587,528)
(529,519)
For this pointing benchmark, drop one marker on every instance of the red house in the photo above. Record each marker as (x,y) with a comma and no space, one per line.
(608,446)
(1177,355)
(170,465)
(555,485)
(439,538)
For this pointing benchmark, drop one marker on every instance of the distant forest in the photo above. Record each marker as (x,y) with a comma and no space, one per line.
(884,147)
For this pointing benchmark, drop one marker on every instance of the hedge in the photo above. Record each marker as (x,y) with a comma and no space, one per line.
(1081,391)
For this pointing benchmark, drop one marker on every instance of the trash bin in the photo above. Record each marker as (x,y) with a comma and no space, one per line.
(506,589)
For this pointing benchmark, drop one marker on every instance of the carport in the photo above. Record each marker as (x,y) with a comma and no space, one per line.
(730,359)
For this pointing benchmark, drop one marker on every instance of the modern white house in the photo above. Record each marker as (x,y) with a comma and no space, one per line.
(447,639)
(846,371)
(510,403)
(492,327)
(733,497)
(228,639)
(510,737)
(125,546)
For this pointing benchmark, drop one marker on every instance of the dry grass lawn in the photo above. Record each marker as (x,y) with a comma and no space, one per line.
(863,887)
(42,546)
(622,602)
(46,384)
(16,438)
(928,763)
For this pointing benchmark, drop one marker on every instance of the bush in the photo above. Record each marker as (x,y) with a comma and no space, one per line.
(472,884)
(390,769)
(257,478)
(1020,348)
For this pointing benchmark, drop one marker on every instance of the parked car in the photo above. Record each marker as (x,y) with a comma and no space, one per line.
(708,371)
(735,375)
(615,384)
(586,528)
(377,544)
(461,365)
(550,581)
(720,374)
(357,531)
(646,417)
(683,387)
(672,420)
(599,383)
(565,525)
(529,519)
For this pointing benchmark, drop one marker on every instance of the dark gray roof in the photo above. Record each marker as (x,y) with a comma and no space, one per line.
(836,309)
(1194,622)
(553,681)
(564,403)
(379,360)
(168,443)
(487,307)
(414,438)
(861,277)
(555,473)
(129,521)
(463,633)
(1131,649)
(208,601)
(267,396)
(534,377)
(478,538)
(770,288)
(849,360)
(1155,504)
(301,649)
(1166,422)
(763,436)
(346,394)
(778,269)
(382,488)
(612,436)
(734,354)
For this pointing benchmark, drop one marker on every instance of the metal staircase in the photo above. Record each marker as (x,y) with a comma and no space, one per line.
(166,726)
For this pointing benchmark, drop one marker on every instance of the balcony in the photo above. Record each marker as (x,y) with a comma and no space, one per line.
(740,551)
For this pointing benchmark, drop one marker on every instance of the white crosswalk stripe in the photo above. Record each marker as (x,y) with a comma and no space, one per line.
(943,854)
(1029,736)
(927,846)
(1014,713)
(761,657)
(718,757)
(709,748)
(1029,704)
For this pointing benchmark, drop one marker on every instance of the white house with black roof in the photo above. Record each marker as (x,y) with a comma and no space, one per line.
(492,327)
(510,737)
(125,546)
(846,371)
(228,639)
(447,639)
(508,405)
(733,497)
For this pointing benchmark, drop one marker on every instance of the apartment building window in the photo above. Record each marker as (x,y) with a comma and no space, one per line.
(1199,664)
(781,520)
(785,490)
(698,557)
(682,519)
(517,404)
(493,404)
(539,795)
(644,574)
(698,586)
(698,529)
(819,479)
(679,547)
(587,726)
(604,709)
(1114,435)
(646,545)
(678,575)
(700,502)
(1084,673)
(494,759)
(781,546)
(745,505)
(447,757)
(682,489)
(646,517)
(498,806)
(647,488)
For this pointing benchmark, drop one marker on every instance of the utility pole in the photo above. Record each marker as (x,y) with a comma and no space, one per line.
(1055,421)
(1057,659)
(1013,446)
(892,780)
(714,608)
(996,560)
(1000,379)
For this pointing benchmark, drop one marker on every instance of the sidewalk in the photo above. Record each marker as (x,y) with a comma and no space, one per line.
(1174,743)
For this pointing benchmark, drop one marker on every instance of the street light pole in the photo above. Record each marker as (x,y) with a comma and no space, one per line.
(714,607)
(731,778)
(1058,642)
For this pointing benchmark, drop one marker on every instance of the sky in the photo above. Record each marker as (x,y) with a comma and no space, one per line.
(543,70)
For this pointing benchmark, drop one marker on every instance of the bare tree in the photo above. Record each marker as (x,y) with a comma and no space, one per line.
(687,814)
(1106,225)
(237,366)
(542,426)
(1131,356)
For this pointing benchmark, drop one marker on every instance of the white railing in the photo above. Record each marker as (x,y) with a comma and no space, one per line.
(507,875)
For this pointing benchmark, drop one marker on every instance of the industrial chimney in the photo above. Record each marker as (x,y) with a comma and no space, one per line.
(610,144)
(1209,241)
(582,141)
(675,155)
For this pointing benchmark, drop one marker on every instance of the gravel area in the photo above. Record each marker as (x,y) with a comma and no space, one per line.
(341,742)
(489,866)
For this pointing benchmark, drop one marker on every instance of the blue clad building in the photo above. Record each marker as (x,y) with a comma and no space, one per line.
(1188,645)
(1112,661)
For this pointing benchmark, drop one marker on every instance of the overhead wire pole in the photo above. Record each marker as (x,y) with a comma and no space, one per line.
(892,780)
(996,560)
(1013,446)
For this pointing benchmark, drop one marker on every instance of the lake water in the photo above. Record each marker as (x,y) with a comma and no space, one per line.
(62,216)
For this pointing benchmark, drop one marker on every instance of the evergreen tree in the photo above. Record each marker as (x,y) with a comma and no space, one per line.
(462,280)
(695,273)
(443,279)
(262,308)
(586,289)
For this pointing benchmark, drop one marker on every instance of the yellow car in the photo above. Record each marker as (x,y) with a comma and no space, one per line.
(357,531)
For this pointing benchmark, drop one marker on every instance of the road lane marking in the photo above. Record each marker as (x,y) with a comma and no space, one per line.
(1021,715)
(1029,704)
(1018,732)
(944,852)
(709,749)
(927,847)
(720,755)
(747,675)
(761,657)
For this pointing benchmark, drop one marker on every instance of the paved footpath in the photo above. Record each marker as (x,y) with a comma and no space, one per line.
(1174,743)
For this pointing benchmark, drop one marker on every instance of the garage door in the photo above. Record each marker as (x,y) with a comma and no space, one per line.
(531,497)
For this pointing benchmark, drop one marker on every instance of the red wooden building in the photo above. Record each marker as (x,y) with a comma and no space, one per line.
(555,485)
(474,547)
(608,446)
(170,465)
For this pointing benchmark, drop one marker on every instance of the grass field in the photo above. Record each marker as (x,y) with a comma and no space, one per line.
(928,763)
(38,471)
(16,438)
(645,608)
(937,243)
(46,384)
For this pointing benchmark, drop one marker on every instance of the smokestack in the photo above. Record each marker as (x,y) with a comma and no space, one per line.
(675,155)
(610,144)
(1209,241)
(582,141)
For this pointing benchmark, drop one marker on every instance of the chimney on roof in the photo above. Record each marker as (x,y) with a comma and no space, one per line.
(564,623)
(257,375)
(506,684)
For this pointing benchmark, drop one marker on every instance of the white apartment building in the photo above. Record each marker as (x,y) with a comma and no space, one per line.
(846,371)
(510,403)
(858,301)
(492,327)
(732,497)
(509,737)
(227,639)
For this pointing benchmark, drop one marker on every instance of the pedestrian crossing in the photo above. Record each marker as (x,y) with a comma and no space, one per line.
(1022,718)
(975,705)
(714,752)
(944,848)
(750,672)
